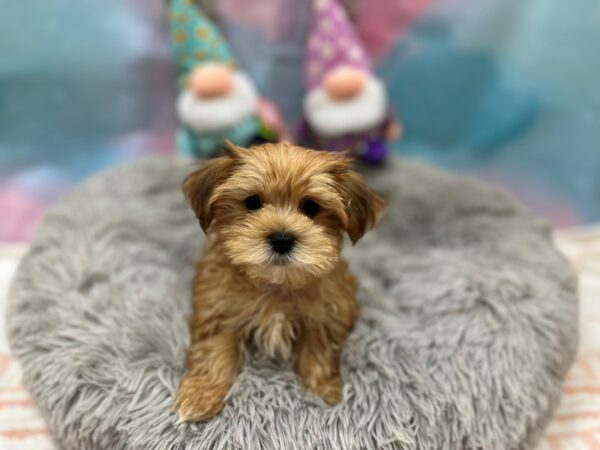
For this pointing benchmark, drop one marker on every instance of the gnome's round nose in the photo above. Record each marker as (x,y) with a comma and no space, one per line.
(344,83)
(211,80)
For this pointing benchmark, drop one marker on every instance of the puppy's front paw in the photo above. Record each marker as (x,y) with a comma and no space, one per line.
(199,399)
(329,390)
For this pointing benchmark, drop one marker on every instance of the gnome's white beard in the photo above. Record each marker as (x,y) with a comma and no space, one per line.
(204,115)
(331,118)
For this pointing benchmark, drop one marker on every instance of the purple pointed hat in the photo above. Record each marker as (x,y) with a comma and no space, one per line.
(332,42)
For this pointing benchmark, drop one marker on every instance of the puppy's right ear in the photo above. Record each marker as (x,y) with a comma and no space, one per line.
(363,206)
(199,186)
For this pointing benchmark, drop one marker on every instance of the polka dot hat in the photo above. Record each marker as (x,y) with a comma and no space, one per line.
(195,39)
(332,43)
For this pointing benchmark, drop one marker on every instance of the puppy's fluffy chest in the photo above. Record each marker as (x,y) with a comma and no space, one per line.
(274,333)
(277,320)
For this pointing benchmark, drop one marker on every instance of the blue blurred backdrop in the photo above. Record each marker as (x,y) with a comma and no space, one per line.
(505,90)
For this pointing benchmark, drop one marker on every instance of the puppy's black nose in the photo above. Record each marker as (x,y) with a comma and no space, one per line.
(281,242)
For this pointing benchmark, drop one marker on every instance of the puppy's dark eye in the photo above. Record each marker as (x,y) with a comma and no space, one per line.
(253,202)
(311,208)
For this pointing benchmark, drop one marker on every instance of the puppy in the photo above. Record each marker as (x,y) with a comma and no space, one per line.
(271,274)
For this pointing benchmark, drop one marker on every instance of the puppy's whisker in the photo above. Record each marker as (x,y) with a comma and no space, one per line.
(281,260)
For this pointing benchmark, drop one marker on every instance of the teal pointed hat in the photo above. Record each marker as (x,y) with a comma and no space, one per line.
(196,39)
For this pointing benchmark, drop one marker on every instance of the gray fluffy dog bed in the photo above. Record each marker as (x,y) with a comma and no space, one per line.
(467,328)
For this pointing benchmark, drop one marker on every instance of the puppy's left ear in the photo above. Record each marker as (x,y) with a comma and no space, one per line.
(199,186)
(363,205)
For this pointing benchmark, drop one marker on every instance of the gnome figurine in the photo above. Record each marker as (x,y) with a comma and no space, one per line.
(346,105)
(216,100)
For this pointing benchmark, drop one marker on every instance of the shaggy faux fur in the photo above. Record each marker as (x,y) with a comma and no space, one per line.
(467,328)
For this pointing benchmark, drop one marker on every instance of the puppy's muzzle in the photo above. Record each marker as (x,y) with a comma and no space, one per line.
(281,242)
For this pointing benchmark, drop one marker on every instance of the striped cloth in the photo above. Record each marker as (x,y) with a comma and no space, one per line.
(576,425)
(21,426)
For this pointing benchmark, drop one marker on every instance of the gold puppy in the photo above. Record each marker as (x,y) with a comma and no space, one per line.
(272,274)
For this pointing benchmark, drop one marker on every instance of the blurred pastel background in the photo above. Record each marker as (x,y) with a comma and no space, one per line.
(505,90)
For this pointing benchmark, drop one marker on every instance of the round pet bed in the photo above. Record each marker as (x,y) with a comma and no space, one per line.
(468,323)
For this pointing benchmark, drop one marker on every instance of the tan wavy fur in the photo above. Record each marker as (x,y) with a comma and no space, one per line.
(299,306)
